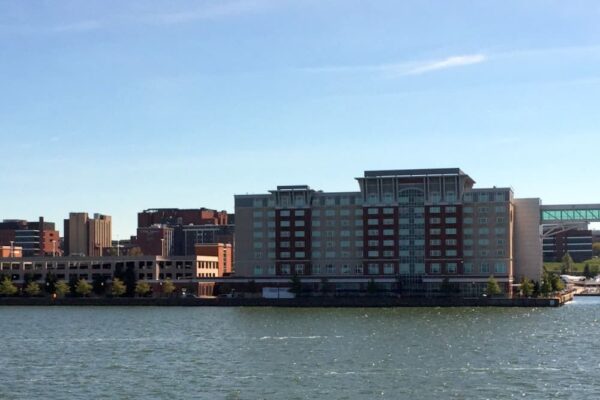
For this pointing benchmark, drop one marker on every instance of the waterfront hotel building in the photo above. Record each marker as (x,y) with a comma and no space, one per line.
(418,228)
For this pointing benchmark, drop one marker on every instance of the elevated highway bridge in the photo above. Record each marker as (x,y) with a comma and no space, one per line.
(561,217)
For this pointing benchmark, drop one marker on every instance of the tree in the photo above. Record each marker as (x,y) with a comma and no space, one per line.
(32,289)
(594,270)
(296,285)
(536,289)
(526,287)
(83,288)
(7,288)
(596,248)
(567,264)
(62,288)
(546,287)
(446,287)
(556,283)
(168,287)
(493,288)
(587,272)
(118,288)
(142,289)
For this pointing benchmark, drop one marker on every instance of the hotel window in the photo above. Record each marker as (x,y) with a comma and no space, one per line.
(329,244)
(450,231)
(299,213)
(316,223)
(451,253)
(450,220)
(388,221)
(435,242)
(258,245)
(285,244)
(358,222)
(373,232)
(451,242)
(330,254)
(316,243)
(404,232)
(258,203)
(500,242)
(500,220)
(450,210)
(373,269)
(500,209)
(257,270)
(345,269)
(373,221)
(388,269)
(435,231)
(420,231)
(284,224)
(271,270)
(373,211)
(316,269)
(468,253)
(468,242)
(435,253)
(484,268)
(358,233)
(500,231)
(345,243)
(316,254)
(500,196)
(358,212)
(344,201)
(330,222)
(300,243)
(329,201)
(483,253)
(483,220)
(271,224)
(468,197)
(373,253)
(316,213)
(373,242)
(434,210)
(468,268)
(257,235)
(483,231)
(434,220)
(451,268)
(284,234)
(419,210)
(483,242)
(388,232)
(284,213)
(358,269)
(483,197)
(468,231)
(436,268)
(388,242)
(404,221)
(330,213)
(468,210)
(500,268)
(345,212)
(257,214)
(299,234)
(270,213)
(419,268)
(330,269)
(500,253)
(345,254)
(419,242)
(468,220)
(299,222)
(257,224)
(388,253)
(358,243)
(299,268)
(285,269)
(345,233)
(285,254)
(419,221)
(316,234)
(405,253)
(271,254)
(388,210)
(403,242)
(483,210)
(404,268)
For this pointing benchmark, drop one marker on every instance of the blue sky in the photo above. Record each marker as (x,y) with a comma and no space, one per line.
(118,106)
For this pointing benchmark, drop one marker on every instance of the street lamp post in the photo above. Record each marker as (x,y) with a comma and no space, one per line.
(162,247)
(53,248)
(12,248)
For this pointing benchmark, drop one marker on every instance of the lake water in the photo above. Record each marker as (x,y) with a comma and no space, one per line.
(274,353)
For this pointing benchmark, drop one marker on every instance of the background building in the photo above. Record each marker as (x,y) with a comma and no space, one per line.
(35,238)
(576,242)
(87,237)
(181,229)
(420,227)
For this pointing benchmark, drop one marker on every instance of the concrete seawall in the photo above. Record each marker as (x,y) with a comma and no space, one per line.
(297,302)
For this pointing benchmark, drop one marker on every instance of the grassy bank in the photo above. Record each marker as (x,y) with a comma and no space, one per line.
(577,267)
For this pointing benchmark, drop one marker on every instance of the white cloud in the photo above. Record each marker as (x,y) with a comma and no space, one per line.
(450,62)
